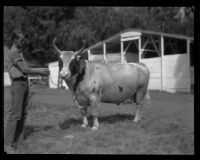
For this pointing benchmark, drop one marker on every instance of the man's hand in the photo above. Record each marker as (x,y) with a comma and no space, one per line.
(28,70)
(44,71)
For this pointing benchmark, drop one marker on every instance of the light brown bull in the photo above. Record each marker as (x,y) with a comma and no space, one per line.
(95,82)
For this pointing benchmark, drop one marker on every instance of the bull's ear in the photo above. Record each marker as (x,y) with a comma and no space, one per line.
(82,65)
(81,50)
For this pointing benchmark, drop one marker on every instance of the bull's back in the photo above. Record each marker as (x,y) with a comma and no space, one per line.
(117,82)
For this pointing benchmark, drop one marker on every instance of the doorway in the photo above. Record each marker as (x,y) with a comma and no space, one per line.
(131,51)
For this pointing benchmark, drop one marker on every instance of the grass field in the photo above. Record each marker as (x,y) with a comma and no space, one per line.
(53,126)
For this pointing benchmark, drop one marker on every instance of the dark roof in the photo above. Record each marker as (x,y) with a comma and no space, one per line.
(139,31)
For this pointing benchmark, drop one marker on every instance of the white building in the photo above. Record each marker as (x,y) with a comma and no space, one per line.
(168,56)
(7,80)
(53,77)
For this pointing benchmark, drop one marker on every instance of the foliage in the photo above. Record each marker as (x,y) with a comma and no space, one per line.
(73,24)
(13,17)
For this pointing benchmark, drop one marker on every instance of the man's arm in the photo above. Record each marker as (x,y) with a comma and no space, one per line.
(28,70)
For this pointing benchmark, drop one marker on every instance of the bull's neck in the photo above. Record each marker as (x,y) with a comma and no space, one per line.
(74,81)
(70,82)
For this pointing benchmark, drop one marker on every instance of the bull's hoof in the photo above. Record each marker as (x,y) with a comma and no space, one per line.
(84,125)
(136,119)
(95,128)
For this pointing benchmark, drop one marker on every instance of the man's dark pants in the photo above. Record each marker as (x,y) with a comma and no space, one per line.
(17,112)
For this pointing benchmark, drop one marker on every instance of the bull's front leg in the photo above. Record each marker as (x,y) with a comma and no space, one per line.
(94,100)
(83,111)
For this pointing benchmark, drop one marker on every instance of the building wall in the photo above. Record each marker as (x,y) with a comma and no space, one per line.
(97,57)
(129,34)
(113,57)
(154,65)
(175,73)
(132,57)
(7,80)
(110,57)
(53,77)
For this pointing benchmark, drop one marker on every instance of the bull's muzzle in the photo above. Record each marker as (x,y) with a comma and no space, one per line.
(65,76)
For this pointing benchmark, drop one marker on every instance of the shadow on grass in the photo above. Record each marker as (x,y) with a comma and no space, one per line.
(102,119)
(28,130)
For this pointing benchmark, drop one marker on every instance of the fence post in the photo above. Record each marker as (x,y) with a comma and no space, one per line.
(162,61)
(104,51)
(122,51)
(188,65)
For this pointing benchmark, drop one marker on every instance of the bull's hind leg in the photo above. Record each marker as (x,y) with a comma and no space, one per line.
(138,113)
(84,117)
(139,99)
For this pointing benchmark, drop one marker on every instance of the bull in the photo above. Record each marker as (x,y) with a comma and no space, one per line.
(94,82)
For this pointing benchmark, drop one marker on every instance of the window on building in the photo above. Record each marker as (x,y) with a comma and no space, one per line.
(113,47)
(97,50)
(150,46)
(113,51)
(174,46)
(132,46)
(131,51)
(149,54)
(97,53)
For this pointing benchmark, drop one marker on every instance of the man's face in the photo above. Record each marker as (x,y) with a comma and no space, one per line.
(20,40)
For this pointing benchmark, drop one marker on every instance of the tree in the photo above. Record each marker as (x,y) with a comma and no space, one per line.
(93,24)
(179,20)
(41,24)
(13,17)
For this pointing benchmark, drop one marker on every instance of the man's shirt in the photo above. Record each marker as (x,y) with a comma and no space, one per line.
(14,57)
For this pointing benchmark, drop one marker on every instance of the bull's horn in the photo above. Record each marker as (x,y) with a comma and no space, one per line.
(81,50)
(55,47)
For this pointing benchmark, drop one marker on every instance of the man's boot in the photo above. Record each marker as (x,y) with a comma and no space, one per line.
(10,146)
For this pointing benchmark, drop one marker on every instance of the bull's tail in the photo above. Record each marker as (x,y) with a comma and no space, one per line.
(148,97)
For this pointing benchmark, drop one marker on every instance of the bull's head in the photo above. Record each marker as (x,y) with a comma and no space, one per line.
(66,57)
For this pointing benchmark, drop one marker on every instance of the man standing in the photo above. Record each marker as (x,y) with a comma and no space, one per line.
(18,71)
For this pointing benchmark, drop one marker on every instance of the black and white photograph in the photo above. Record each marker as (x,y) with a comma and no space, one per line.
(111,80)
